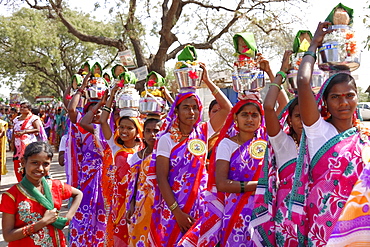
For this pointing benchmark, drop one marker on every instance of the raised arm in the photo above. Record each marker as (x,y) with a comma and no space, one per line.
(86,121)
(72,105)
(107,132)
(282,97)
(66,95)
(272,121)
(225,105)
(306,98)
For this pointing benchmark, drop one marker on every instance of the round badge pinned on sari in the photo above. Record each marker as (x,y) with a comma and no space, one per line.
(197,147)
(257,149)
(365,153)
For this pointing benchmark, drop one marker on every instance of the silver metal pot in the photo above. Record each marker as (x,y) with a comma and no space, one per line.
(149,105)
(335,53)
(128,100)
(318,78)
(245,79)
(185,79)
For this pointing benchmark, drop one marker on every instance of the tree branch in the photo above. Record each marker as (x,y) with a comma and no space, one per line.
(133,35)
(209,6)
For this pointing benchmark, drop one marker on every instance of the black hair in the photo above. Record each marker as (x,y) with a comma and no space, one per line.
(337,79)
(26,104)
(119,141)
(211,105)
(36,148)
(249,103)
(290,113)
(292,105)
(35,111)
(151,120)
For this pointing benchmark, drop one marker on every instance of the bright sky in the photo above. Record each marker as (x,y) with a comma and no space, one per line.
(312,13)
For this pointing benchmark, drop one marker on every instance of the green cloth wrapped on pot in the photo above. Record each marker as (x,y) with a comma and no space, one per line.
(78,79)
(301,46)
(88,65)
(92,69)
(249,48)
(115,75)
(188,54)
(128,77)
(160,81)
(340,17)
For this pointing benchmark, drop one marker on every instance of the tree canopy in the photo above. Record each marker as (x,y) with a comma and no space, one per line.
(155,30)
(41,54)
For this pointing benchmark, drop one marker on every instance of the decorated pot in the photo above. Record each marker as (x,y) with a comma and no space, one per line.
(128,98)
(339,50)
(189,77)
(245,79)
(152,105)
(96,88)
(318,78)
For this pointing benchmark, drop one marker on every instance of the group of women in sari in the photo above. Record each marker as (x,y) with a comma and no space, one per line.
(292,175)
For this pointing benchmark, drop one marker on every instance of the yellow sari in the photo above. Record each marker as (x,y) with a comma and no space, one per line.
(4,128)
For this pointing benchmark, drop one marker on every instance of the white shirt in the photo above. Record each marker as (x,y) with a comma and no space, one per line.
(62,144)
(318,134)
(225,149)
(284,146)
(166,144)
(134,159)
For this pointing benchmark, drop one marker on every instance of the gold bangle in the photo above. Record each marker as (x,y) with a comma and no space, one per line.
(174,206)
(216,91)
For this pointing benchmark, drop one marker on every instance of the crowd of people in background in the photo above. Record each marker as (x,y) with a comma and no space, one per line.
(50,125)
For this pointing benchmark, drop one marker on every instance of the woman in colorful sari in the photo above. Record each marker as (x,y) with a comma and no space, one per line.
(26,128)
(323,185)
(275,182)
(3,130)
(31,207)
(179,163)
(140,194)
(89,224)
(124,142)
(239,156)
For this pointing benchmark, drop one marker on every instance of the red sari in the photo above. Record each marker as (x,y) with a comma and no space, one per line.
(27,211)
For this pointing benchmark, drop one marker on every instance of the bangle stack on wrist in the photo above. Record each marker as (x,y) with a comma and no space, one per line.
(107,109)
(283,76)
(174,206)
(216,91)
(242,187)
(80,90)
(28,230)
(277,85)
(310,53)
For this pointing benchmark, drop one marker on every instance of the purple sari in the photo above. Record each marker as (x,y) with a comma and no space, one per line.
(89,223)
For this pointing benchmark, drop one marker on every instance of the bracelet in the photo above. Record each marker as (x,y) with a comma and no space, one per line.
(216,91)
(32,230)
(310,53)
(274,84)
(107,109)
(24,231)
(174,206)
(80,90)
(283,76)
(241,186)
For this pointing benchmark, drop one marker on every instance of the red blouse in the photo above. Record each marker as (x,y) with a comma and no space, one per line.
(27,210)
